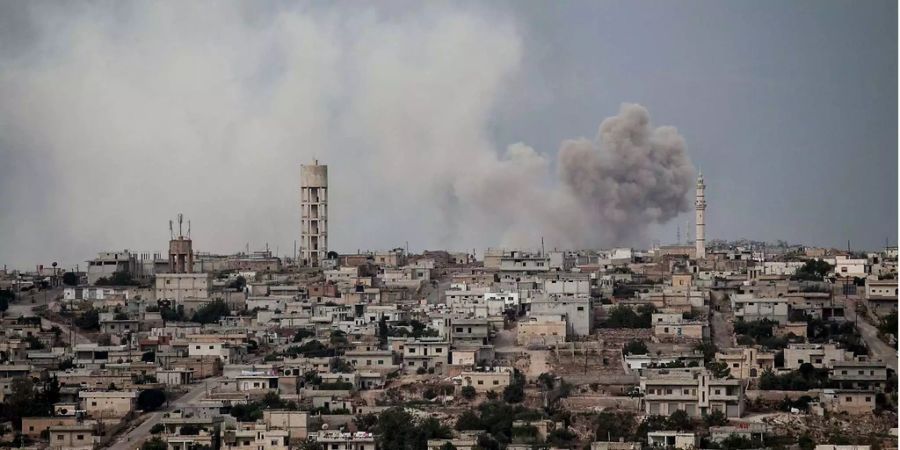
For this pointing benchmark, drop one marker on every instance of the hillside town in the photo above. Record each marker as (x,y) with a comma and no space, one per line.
(701,344)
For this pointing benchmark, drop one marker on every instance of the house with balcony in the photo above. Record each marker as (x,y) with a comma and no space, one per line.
(860,375)
(692,390)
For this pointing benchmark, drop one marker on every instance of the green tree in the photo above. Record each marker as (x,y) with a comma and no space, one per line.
(635,347)
(88,320)
(6,296)
(715,419)
(680,421)
(70,279)
(468,420)
(155,443)
(151,399)
(468,392)
(211,312)
(813,270)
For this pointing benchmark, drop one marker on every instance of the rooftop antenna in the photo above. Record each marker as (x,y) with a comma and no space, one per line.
(542,246)
(678,234)
(180,220)
(171,232)
(189,229)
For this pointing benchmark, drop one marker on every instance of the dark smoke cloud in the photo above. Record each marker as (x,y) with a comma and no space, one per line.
(630,176)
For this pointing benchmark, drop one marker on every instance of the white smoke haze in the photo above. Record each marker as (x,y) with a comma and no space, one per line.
(114,119)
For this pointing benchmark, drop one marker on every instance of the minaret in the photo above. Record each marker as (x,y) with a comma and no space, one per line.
(313,213)
(700,205)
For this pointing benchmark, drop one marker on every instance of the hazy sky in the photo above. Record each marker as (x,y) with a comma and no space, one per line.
(442,124)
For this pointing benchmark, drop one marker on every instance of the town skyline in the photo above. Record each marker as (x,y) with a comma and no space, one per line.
(790,146)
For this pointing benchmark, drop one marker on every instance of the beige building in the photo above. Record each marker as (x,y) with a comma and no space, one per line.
(108,404)
(34,426)
(819,355)
(73,437)
(867,375)
(543,330)
(255,436)
(675,325)
(694,391)
(179,286)
(295,422)
(483,381)
(746,363)
(849,401)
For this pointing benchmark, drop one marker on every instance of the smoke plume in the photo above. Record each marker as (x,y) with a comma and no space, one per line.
(630,175)
(114,119)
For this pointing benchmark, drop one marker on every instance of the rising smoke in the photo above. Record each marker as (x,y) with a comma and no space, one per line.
(631,175)
(115,119)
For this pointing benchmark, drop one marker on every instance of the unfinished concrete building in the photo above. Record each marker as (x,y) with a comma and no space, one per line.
(313,214)
(181,253)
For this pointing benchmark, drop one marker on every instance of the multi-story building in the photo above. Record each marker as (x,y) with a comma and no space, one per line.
(576,310)
(746,363)
(881,295)
(748,307)
(108,263)
(313,214)
(338,440)
(694,391)
(424,353)
(863,375)
(819,355)
(255,436)
(180,286)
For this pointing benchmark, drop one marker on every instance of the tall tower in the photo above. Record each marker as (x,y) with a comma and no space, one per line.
(700,205)
(313,214)
(181,252)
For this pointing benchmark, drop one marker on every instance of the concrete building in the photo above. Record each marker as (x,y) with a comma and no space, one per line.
(108,404)
(255,436)
(541,330)
(881,295)
(675,325)
(866,375)
(700,206)
(338,440)
(748,307)
(180,286)
(673,439)
(487,380)
(848,401)
(694,391)
(181,250)
(313,214)
(108,263)
(73,437)
(746,363)
(577,311)
(819,355)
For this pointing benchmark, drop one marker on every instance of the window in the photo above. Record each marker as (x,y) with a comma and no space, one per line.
(496,382)
(718,391)
(480,381)
(80,437)
(868,399)
(849,399)
(210,347)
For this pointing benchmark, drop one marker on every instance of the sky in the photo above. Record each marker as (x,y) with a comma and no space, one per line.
(457,125)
